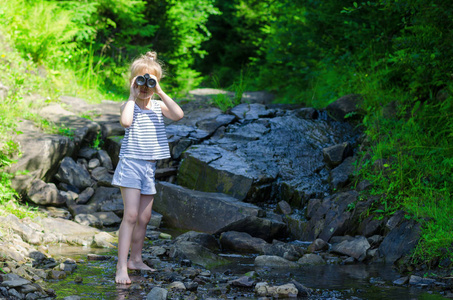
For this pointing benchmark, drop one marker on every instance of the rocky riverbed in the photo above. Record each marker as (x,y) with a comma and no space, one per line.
(259,190)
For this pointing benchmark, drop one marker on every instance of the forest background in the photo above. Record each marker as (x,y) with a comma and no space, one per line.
(397,54)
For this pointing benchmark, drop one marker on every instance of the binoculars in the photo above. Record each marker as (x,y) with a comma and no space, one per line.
(145,80)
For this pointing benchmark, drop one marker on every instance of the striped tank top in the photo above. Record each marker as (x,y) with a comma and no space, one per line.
(146,138)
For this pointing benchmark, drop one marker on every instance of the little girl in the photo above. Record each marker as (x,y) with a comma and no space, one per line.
(145,141)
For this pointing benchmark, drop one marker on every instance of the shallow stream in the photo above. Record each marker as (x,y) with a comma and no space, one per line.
(358,281)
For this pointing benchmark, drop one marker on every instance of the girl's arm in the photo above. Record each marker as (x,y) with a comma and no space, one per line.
(127,109)
(169,107)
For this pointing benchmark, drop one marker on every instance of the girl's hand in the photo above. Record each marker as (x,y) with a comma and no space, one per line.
(157,88)
(134,90)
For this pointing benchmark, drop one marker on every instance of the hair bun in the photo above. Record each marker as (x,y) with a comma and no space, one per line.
(151,55)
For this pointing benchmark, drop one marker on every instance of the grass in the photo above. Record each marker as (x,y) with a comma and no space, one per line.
(34,78)
(224,101)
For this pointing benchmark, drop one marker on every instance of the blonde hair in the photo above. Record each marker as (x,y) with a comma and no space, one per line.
(146,63)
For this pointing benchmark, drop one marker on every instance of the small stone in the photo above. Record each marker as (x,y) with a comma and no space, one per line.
(78,279)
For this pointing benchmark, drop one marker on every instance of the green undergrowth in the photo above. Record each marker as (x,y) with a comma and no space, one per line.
(407,154)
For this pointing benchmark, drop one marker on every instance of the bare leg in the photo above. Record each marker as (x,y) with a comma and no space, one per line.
(131,200)
(138,235)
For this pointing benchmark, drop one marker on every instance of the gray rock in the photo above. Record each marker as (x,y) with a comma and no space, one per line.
(242,242)
(44,193)
(401,281)
(318,245)
(72,173)
(113,145)
(311,259)
(355,248)
(287,251)
(85,195)
(284,207)
(339,176)
(98,219)
(252,111)
(400,241)
(15,283)
(204,239)
(197,254)
(102,176)
(307,113)
(348,104)
(40,152)
(334,155)
(87,153)
(243,281)
(274,262)
(105,159)
(68,231)
(199,211)
(157,293)
(30,233)
(93,163)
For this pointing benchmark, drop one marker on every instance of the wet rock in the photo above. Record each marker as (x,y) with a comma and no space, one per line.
(103,240)
(68,231)
(284,207)
(287,251)
(283,291)
(307,113)
(243,281)
(72,173)
(157,293)
(363,185)
(334,155)
(318,245)
(311,259)
(204,239)
(191,285)
(355,248)
(55,274)
(176,285)
(420,281)
(274,262)
(252,111)
(401,281)
(303,291)
(197,254)
(68,267)
(370,226)
(13,280)
(339,177)
(91,256)
(344,106)
(394,220)
(242,242)
(73,297)
(241,164)
(375,240)
(264,228)
(400,241)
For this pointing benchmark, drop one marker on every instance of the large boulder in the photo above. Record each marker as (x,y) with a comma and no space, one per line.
(208,212)
(400,241)
(41,152)
(74,174)
(258,159)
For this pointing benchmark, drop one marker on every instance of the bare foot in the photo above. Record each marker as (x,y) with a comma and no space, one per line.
(139,265)
(122,277)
